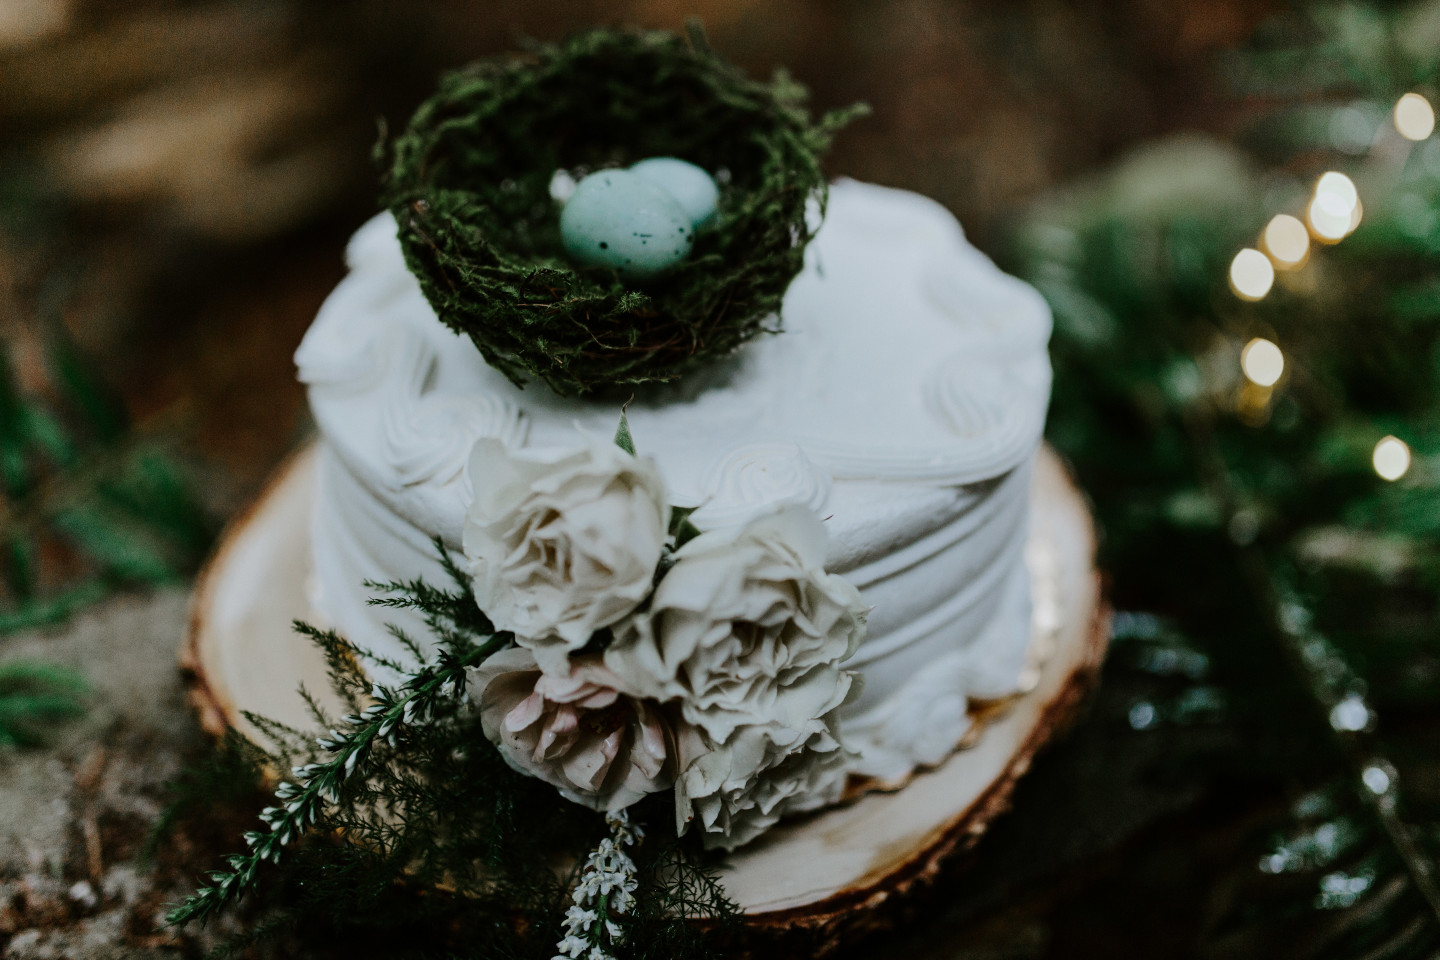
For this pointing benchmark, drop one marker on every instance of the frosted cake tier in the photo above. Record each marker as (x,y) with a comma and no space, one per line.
(904,402)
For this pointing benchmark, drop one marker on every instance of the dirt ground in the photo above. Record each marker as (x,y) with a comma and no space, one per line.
(75,816)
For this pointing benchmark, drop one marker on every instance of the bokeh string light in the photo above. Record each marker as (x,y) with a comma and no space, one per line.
(1414,117)
(1262,362)
(1326,223)
(1257,485)
(1251,274)
(1287,241)
(1391,458)
(1334,211)
(1338,188)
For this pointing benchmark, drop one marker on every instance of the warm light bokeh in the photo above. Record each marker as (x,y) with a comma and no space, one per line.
(1329,218)
(1286,240)
(1391,458)
(1251,274)
(1262,362)
(1337,185)
(1414,117)
(1334,212)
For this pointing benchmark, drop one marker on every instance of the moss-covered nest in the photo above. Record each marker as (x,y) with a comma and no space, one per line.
(469,185)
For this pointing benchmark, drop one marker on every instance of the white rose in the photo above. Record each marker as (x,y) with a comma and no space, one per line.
(737,791)
(561,544)
(577,731)
(746,628)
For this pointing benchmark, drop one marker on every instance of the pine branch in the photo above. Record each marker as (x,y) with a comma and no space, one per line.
(1320,670)
(321,785)
(32,511)
(409,788)
(232,770)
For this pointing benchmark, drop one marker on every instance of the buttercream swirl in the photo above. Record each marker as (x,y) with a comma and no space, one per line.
(759,476)
(983,405)
(427,436)
(346,349)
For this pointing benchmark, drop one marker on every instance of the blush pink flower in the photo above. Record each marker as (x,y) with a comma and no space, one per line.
(579,731)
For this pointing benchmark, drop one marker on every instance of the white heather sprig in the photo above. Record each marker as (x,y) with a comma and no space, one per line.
(318,785)
(607,886)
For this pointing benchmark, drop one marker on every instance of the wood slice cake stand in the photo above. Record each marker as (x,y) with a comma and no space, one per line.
(824,876)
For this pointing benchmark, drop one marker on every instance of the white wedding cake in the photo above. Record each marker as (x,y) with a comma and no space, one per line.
(903,403)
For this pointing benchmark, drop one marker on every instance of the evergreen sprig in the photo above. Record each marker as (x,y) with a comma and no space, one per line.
(603,897)
(403,821)
(319,785)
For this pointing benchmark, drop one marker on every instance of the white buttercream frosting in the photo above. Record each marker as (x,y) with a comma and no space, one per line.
(903,403)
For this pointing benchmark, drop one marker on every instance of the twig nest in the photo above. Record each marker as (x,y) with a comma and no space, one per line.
(470,184)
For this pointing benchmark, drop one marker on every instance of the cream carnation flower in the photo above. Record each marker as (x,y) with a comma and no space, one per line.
(562,544)
(739,790)
(746,628)
(577,731)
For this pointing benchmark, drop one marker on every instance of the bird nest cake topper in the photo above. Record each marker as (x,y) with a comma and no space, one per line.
(613,210)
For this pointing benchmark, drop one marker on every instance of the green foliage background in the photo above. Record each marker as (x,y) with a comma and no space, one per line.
(1250,519)
(88,505)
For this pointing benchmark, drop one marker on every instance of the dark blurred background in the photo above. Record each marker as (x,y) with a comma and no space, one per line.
(177,178)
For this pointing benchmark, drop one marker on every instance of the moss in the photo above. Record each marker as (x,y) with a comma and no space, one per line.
(468,183)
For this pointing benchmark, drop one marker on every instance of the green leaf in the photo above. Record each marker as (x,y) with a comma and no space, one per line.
(129,550)
(103,410)
(680,526)
(44,611)
(33,697)
(20,567)
(151,489)
(45,431)
(623,440)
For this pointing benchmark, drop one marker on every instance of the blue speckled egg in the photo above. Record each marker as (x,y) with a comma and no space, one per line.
(691,186)
(621,220)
